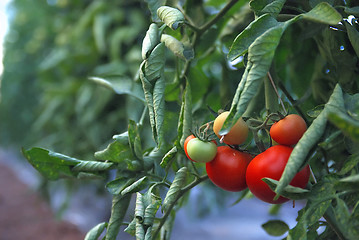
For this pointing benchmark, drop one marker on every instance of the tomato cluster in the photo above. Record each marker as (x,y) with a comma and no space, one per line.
(271,162)
(234,170)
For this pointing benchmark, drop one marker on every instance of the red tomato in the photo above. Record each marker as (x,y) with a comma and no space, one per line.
(288,130)
(228,169)
(190,137)
(271,164)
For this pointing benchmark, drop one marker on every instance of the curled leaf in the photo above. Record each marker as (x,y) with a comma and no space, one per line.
(172,17)
(181,50)
(150,41)
(175,188)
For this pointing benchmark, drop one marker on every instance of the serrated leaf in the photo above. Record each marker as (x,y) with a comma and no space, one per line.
(181,50)
(150,41)
(256,28)
(96,231)
(323,13)
(175,188)
(349,126)
(275,227)
(50,164)
(172,17)
(118,212)
(309,139)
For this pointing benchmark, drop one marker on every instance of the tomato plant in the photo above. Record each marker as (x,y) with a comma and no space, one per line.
(238,133)
(255,58)
(201,151)
(271,164)
(288,130)
(228,169)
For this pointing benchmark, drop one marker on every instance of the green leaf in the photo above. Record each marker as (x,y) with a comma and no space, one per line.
(175,188)
(181,50)
(256,28)
(91,166)
(118,151)
(260,56)
(309,139)
(289,191)
(50,164)
(353,36)
(96,231)
(150,41)
(153,5)
(349,164)
(135,140)
(352,11)
(131,228)
(349,126)
(137,186)
(185,119)
(121,85)
(351,179)
(261,7)
(154,65)
(99,31)
(323,13)
(151,209)
(168,157)
(275,227)
(172,17)
(116,186)
(118,212)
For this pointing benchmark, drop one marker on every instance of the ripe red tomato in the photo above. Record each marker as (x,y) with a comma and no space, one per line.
(201,151)
(238,133)
(228,169)
(288,130)
(271,164)
(190,137)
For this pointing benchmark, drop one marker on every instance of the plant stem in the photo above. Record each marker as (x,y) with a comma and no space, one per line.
(276,91)
(292,101)
(180,194)
(220,14)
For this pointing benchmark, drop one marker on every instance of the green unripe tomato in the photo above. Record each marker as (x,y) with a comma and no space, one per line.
(200,151)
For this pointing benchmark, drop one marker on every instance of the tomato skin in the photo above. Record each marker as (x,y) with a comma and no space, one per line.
(271,164)
(238,133)
(288,130)
(228,169)
(190,137)
(200,151)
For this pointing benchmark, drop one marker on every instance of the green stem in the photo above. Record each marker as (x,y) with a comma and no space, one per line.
(220,14)
(293,102)
(180,194)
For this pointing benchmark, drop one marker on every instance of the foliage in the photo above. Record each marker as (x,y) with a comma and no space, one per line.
(197,56)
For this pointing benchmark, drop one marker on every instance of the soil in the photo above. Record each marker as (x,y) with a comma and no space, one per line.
(25,215)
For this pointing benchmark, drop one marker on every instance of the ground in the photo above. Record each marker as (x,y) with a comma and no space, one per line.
(25,215)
